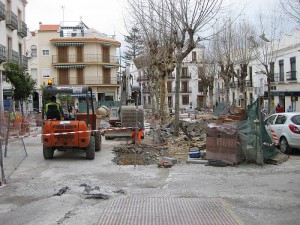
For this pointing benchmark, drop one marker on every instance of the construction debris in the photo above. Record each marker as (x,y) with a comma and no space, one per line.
(62,191)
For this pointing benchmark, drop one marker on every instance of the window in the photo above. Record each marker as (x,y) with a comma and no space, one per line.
(200,86)
(251,76)
(33,73)
(33,51)
(200,72)
(281,70)
(184,72)
(169,86)
(272,69)
(185,100)
(280,119)
(46,72)
(45,51)
(194,56)
(292,74)
(270,120)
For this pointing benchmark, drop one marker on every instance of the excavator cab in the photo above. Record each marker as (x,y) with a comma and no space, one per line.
(80,132)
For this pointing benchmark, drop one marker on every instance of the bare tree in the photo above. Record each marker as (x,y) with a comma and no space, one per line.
(291,8)
(173,26)
(243,52)
(222,45)
(266,49)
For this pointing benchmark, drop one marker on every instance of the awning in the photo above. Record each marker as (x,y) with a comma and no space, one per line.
(79,95)
(108,44)
(69,44)
(109,66)
(69,66)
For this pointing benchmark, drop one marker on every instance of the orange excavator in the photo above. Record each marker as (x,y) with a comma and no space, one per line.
(80,132)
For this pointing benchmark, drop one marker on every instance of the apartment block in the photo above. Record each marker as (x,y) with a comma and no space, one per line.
(73,54)
(13,31)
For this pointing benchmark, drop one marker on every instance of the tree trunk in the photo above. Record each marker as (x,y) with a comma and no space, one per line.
(177,86)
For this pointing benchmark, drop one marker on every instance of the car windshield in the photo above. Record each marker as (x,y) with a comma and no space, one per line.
(296,119)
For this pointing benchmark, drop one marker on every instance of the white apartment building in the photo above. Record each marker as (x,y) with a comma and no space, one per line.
(72,54)
(285,78)
(13,31)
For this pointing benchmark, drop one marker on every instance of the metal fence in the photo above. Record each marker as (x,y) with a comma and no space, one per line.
(14,129)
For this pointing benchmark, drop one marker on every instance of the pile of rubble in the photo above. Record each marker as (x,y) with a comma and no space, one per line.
(161,143)
(138,154)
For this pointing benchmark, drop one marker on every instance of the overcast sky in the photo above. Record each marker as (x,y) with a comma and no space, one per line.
(106,16)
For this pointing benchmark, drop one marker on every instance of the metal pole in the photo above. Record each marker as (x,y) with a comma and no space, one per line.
(1,116)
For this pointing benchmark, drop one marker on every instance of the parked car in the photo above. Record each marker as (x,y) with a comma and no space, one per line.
(287,128)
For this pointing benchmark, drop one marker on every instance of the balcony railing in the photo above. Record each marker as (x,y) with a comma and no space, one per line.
(186,90)
(171,76)
(279,77)
(248,83)
(185,76)
(142,78)
(3,56)
(11,20)
(24,62)
(291,75)
(13,56)
(145,90)
(22,29)
(2,11)
(87,58)
(91,81)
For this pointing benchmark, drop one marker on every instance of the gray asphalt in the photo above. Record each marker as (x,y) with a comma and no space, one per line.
(268,194)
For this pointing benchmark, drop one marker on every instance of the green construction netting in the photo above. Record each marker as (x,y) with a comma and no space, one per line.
(254,139)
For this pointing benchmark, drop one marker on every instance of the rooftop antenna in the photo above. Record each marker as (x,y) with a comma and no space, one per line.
(63,11)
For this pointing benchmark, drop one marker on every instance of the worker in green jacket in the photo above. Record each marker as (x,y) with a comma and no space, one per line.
(54,110)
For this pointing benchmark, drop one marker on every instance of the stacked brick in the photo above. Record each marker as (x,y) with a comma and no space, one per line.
(222,144)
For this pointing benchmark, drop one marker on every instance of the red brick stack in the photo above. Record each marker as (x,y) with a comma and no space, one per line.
(222,144)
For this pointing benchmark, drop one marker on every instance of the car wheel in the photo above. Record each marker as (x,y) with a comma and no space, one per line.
(284,146)
(97,141)
(90,149)
(48,152)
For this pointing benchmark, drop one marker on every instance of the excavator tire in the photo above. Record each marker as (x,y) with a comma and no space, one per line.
(97,141)
(90,149)
(48,152)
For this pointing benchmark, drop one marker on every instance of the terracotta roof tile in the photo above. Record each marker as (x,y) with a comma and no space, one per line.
(49,27)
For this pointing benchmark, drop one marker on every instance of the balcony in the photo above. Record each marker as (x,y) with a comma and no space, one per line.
(248,83)
(11,20)
(12,56)
(291,76)
(22,28)
(279,77)
(186,90)
(109,61)
(24,62)
(142,78)
(185,76)
(3,56)
(91,81)
(145,90)
(171,77)
(2,11)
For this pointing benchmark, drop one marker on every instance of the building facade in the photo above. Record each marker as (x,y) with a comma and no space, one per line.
(13,31)
(72,54)
(191,88)
(285,78)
